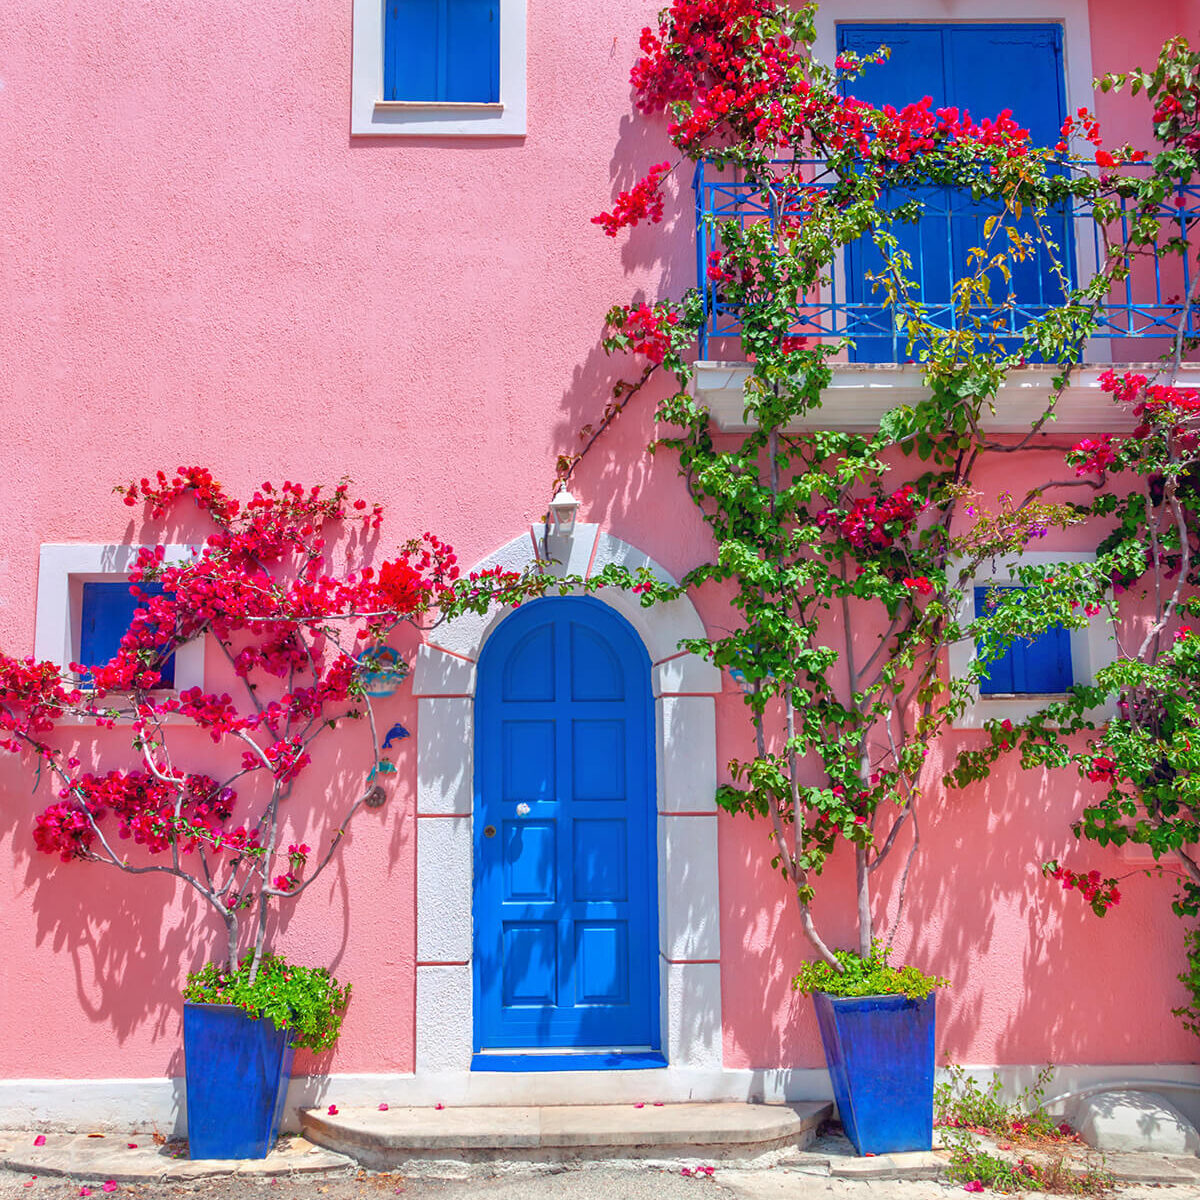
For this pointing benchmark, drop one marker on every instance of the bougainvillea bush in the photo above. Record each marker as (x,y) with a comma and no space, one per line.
(849,556)
(298,623)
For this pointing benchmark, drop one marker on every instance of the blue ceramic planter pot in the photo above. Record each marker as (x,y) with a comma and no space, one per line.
(879,1050)
(237,1078)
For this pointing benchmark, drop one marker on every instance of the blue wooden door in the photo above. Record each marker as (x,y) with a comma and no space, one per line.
(984,69)
(565,897)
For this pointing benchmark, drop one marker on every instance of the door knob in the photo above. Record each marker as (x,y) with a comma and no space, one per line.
(489,831)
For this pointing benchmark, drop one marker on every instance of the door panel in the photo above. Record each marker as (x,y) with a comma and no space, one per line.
(984,69)
(565,893)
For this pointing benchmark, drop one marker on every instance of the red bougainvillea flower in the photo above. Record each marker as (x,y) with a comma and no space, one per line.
(333,1110)
(920,584)
(40,1140)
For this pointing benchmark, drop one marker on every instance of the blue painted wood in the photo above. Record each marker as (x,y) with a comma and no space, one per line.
(1042,665)
(237,1073)
(879,1050)
(105,616)
(634,1061)
(442,50)
(473,51)
(565,911)
(982,68)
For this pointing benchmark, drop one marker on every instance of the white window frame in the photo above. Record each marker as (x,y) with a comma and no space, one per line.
(1092,646)
(63,569)
(372,115)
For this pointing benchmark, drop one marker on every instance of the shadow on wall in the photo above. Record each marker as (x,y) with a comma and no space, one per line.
(129,940)
(1036,977)
(659,263)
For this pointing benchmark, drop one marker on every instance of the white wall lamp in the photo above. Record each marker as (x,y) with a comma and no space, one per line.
(560,521)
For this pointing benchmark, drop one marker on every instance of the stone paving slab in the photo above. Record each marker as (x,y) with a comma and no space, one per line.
(915,1164)
(136,1158)
(1140,1167)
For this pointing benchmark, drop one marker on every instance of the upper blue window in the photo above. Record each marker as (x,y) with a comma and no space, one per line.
(1040,666)
(444,51)
(106,614)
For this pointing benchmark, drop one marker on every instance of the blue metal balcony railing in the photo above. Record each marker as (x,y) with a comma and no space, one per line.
(1147,307)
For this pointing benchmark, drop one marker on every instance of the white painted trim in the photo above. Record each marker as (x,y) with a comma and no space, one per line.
(62,569)
(371,115)
(1092,647)
(689,910)
(860,393)
(134,1105)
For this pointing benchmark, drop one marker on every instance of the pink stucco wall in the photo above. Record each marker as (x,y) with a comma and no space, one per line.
(200,265)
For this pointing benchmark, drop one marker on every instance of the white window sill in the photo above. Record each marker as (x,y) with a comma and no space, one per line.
(449,106)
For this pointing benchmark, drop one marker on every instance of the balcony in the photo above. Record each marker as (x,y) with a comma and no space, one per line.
(1138,322)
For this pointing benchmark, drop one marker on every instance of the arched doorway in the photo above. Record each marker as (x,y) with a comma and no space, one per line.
(565,867)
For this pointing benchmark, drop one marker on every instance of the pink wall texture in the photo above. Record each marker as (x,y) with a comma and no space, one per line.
(201,266)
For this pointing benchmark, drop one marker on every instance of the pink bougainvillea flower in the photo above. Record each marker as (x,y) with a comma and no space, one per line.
(131,1145)
(658,1104)
(439,1105)
(109,1185)
(976,1185)
(685,1171)
(40,1140)
(333,1110)
(383,1108)
(640,1104)
(85,1191)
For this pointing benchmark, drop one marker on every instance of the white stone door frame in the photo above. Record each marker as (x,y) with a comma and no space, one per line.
(689,911)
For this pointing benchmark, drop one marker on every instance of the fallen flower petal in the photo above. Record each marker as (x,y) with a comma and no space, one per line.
(383,1108)
(109,1185)
(975,1185)
(131,1145)
(439,1105)
(333,1110)
(40,1140)
(640,1104)
(85,1191)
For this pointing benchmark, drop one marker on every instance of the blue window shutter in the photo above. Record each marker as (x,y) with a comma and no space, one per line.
(473,51)
(442,50)
(993,67)
(1040,666)
(982,68)
(916,67)
(106,614)
(412,37)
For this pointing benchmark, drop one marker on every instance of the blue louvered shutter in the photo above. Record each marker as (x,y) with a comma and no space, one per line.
(106,614)
(442,50)
(1041,666)
(983,68)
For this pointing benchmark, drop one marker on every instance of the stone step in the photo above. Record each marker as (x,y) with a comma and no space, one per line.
(716,1132)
